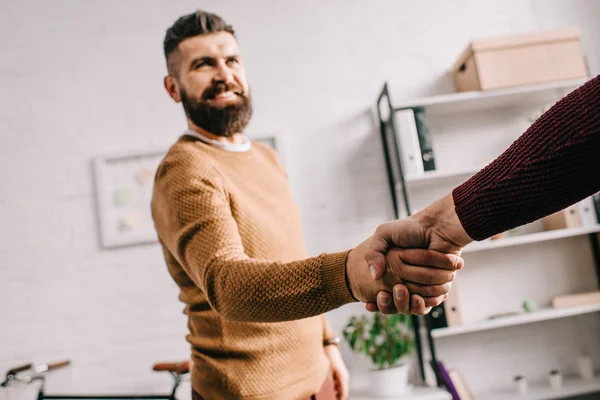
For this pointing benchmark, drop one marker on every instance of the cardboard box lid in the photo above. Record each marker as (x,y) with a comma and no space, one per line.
(521,40)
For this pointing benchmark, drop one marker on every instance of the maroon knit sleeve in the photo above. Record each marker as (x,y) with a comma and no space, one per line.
(554,164)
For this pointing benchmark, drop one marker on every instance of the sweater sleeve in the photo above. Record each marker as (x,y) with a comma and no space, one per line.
(193,219)
(554,164)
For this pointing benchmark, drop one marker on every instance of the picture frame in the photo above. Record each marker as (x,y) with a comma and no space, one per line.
(274,141)
(124,184)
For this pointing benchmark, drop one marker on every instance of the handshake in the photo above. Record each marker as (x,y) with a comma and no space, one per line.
(408,265)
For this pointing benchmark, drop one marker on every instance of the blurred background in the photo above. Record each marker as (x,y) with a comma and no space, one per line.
(81,82)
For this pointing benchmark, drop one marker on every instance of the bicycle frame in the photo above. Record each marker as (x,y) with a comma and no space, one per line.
(171,396)
(13,376)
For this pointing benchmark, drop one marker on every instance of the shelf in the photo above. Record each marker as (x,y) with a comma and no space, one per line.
(501,98)
(525,318)
(571,387)
(417,393)
(530,238)
(435,177)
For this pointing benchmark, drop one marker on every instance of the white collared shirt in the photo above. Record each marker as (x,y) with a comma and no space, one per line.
(234,147)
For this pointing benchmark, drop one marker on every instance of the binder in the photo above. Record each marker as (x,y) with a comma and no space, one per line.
(448,313)
(596,199)
(408,143)
(587,212)
(425,142)
(452,307)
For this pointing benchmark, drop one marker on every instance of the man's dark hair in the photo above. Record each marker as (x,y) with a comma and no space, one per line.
(190,25)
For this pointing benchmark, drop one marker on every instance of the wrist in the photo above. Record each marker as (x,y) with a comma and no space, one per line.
(351,283)
(440,219)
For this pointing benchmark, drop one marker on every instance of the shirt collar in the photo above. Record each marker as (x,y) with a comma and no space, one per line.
(233,147)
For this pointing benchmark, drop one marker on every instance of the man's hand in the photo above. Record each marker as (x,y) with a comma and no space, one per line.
(435,228)
(427,273)
(339,372)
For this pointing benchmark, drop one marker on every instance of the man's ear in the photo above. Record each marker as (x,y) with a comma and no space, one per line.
(172,88)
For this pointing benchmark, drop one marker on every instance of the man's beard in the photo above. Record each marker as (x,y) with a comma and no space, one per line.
(221,121)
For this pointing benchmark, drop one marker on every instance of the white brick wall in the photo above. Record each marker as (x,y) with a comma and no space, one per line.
(85,78)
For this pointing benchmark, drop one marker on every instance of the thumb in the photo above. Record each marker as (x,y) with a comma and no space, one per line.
(379,244)
(404,233)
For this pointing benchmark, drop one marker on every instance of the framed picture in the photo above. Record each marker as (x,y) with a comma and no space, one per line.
(124,185)
(274,141)
(270,141)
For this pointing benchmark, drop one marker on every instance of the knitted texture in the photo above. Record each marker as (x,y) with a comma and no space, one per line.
(554,164)
(232,239)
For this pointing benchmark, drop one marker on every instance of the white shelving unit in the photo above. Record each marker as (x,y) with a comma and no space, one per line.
(492,99)
(525,318)
(437,177)
(530,238)
(482,136)
(417,393)
(571,387)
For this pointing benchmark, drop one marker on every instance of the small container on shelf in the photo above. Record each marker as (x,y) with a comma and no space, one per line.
(521,383)
(556,379)
(585,367)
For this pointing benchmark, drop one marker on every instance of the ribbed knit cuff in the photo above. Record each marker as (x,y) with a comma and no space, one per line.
(468,211)
(334,279)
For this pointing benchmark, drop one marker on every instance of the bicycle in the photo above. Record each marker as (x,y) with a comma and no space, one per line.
(37,373)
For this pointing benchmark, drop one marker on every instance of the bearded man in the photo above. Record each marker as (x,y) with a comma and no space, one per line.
(232,240)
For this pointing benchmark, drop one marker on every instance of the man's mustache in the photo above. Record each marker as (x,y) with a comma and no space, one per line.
(221,87)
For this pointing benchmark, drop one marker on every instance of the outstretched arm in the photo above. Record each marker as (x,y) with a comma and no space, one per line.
(554,164)
(193,218)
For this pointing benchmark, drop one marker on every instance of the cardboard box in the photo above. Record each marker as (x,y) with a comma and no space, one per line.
(565,219)
(573,300)
(531,58)
(452,307)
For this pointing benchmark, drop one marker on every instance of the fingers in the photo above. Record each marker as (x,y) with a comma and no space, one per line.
(434,301)
(425,281)
(418,306)
(404,303)
(428,291)
(428,258)
(345,390)
(404,233)
(401,299)
(388,304)
(379,243)
(338,388)
(424,275)
(341,380)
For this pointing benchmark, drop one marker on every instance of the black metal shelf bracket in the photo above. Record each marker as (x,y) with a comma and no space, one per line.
(396,179)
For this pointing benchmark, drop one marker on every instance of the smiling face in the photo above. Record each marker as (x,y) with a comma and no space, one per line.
(207,76)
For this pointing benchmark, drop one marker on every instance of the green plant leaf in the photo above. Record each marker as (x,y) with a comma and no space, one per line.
(393,332)
(353,339)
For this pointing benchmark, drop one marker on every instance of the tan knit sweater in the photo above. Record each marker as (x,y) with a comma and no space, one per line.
(232,239)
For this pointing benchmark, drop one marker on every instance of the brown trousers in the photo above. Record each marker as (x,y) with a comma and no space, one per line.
(327,391)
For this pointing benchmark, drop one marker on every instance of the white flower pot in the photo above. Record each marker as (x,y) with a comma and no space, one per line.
(389,382)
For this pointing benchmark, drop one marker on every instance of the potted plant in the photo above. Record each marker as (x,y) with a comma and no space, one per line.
(387,341)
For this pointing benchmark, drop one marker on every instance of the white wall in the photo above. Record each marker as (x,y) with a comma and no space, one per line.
(552,14)
(81,79)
